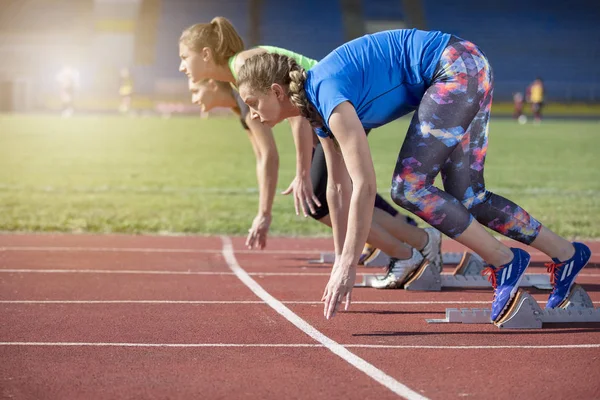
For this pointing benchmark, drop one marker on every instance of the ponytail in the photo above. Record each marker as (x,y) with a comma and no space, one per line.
(219,35)
(229,42)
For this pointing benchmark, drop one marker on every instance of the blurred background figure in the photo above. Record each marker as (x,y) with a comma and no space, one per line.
(68,80)
(536,99)
(125,91)
(518,102)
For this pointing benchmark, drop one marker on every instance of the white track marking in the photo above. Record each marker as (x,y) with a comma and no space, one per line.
(147,272)
(149,250)
(166,272)
(469,347)
(151,272)
(159,344)
(154,302)
(300,345)
(336,348)
(218,190)
(192,302)
(313,252)
(106,249)
(110,271)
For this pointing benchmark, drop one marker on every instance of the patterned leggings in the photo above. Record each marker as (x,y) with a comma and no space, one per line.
(449,134)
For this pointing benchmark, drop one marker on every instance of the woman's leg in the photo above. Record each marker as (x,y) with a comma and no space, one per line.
(452,109)
(463,178)
(390,228)
(462,175)
(449,132)
(400,229)
(378,236)
(383,240)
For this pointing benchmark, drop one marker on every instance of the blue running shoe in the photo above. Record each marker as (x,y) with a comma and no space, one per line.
(505,280)
(563,274)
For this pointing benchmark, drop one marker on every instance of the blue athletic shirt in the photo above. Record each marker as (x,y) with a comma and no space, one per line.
(383,75)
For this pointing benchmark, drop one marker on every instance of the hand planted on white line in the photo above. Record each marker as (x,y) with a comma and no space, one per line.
(340,285)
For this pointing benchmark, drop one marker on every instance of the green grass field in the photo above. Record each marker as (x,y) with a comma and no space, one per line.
(187,175)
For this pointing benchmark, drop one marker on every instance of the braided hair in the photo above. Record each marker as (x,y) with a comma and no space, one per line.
(260,71)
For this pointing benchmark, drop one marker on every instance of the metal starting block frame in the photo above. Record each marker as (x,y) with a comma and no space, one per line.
(467,274)
(383,260)
(525,313)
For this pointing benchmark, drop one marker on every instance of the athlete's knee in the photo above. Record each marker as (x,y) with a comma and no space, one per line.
(473,197)
(403,193)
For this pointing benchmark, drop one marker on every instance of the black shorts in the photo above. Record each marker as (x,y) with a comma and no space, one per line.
(318,175)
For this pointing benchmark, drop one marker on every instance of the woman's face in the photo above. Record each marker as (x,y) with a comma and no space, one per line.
(203,94)
(266,107)
(196,65)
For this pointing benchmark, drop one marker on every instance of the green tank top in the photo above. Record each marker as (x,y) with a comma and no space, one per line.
(304,62)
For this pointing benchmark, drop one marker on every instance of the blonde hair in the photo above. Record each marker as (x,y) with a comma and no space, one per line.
(219,35)
(260,71)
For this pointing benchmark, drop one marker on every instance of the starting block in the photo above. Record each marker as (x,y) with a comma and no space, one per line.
(380,259)
(525,313)
(467,274)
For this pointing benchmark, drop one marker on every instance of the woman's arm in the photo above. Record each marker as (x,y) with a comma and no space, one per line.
(354,146)
(267,166)
(302,187)
(352,140)
(339,191)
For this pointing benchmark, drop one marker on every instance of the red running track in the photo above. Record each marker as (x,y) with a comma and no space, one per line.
(104,317)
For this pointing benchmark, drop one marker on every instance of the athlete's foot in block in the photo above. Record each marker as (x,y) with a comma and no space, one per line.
(505,280)
(433,249)
(563,274)
(398,271)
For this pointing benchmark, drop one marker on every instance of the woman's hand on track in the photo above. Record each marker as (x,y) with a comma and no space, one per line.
(339,287)
(257,234)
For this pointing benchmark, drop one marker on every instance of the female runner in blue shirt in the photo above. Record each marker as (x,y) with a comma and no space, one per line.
(374,80)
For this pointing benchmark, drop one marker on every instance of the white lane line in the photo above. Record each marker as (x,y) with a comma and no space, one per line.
(468,347)
(374,272)
(336,348)
(315,253)
(302,345)
(166,272)
(216,190)
(106,249)
(110,271)
(159,344)
(151,272)
(192,302)
(107,302)
(149,250)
